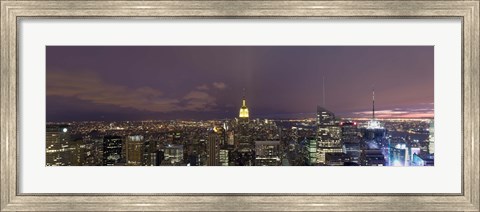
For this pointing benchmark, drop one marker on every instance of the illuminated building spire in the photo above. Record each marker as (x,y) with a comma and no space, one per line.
(244,104)
(243,115)
(374,124)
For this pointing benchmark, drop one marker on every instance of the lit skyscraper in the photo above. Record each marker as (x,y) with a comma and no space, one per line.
(351,140)
(59,148)
(113,151)
(372,157)
(244,114)
(374,123)
(173,155)
(223,157)
(431,138)
(312,151)
(374,132)
(328,134)
(267,153)
(399,155)
(325,117)
(135,147)
(213,150)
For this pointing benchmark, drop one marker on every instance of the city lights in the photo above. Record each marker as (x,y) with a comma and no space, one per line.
(240,106)
(243,141)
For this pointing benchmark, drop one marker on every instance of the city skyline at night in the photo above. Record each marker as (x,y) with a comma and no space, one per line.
(240,106)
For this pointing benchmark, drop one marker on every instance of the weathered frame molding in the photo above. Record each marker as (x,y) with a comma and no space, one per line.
(11,11)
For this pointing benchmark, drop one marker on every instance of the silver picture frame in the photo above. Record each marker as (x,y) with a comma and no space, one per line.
(12,11)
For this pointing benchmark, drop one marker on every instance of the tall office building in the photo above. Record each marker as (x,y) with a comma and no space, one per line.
(89,151)
(244,113)
(149,154)
(157,158)
(423,160)
(230,138)
(312,151)
(267,153)
(135,148)
(59,146)
(113,151)
(399,155)
(173,154)
(372,157)
(375,141)
(374,128)
(351,140)
(243,154)
(338,159)
(223,156)
(374,133)
(213,150)
(431,137)
(57,134)
(325,117)
(328,134)
(349,131)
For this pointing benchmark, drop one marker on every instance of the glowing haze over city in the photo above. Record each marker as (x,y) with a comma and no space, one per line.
(207,82)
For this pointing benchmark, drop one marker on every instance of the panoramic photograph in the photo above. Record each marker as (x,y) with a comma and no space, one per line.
(240,106)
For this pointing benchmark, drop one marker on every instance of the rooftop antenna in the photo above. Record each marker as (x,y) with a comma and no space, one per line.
(243,101)
(373,102)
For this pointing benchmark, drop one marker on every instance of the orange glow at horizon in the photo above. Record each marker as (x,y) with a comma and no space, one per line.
(396,114)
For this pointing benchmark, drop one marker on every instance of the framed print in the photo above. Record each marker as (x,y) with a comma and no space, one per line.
(239,105)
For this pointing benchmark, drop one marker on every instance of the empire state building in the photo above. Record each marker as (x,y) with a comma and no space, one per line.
(243,115)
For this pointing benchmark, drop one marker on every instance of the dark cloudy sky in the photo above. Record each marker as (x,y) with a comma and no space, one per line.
(206,82)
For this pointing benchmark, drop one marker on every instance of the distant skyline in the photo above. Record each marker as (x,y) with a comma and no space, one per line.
(112,83)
